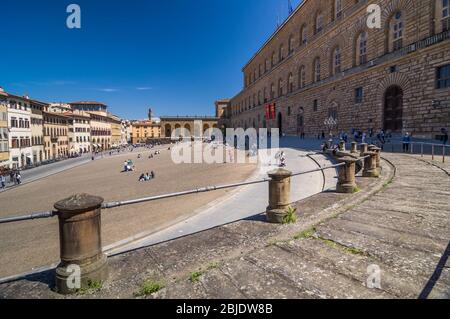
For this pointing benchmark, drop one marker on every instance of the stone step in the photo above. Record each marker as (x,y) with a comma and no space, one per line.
(356,266)
(310,275)
(411,263)
(415,224)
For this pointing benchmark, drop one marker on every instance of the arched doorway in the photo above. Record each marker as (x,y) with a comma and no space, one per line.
(168,130)
(393,109)
(280,123)
(300,121)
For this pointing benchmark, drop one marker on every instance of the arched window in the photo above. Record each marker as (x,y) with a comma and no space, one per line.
(280,87)
(272,91)
(291,44)
(396,29)
(336,61)
(303,35)
(316,68)
(281,53)
(259,97)
(260,70)
(265,95)
(254,75)
(301,77)
(266,66)
(290,83)
(319,22)
(443,15)
(272,62)
(361,48)
(254,99)
(337,9)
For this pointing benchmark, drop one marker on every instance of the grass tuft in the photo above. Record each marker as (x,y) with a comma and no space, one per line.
(291,217)
(150,287)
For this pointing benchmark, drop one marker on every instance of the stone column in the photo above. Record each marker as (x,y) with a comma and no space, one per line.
(370,165)
(346,179)
(377,150)
(354,149)
(80,242)
(279,195)
(364,148)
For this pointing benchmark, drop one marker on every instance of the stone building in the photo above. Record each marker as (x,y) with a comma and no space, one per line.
(171,123)
(56,141)
(324,62)
(37,134)
(79,132)
(4,142)
(19,114)
(145,130)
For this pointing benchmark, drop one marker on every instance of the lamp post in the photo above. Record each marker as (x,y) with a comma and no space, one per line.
(330,123)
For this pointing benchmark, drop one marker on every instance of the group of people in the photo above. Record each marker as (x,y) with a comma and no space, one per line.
(15,177)
(147,177)
(128,166)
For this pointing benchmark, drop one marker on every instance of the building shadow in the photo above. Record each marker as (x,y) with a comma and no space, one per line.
(436,275)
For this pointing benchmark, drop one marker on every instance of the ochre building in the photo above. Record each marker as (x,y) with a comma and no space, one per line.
(325,62)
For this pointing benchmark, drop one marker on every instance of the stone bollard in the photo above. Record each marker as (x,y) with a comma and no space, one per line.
(80,243)
(342,146)
(364,148)
(370,165)
(354,149)
(346,179)
(279,195)
(377,150)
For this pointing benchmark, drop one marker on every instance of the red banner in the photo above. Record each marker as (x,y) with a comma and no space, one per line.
(267,112)
(273,112)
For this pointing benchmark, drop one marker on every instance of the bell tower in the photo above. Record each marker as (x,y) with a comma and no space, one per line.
(150,114)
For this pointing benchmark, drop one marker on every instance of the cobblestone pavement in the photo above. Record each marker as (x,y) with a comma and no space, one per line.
(401,225)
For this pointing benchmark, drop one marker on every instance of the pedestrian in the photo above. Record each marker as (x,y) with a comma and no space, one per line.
(406,142)
(2,181)
(152,174)
(445,136)
(18,178)
(363,139)
(11,177)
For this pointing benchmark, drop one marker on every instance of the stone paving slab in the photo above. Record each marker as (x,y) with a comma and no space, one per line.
(400,225)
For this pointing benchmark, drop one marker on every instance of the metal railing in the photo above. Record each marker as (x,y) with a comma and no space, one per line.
(421,148)
(114,204)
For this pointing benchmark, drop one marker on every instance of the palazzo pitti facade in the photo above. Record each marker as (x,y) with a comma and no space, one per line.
(325,61)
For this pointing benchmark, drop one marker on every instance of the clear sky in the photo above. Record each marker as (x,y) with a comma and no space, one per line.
(177,56)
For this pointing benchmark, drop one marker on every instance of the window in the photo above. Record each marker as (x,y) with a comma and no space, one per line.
(338,8)
(272,91)
(290,83)
(319,22)
(303,35)
(315,105)
(289,112)
(14,122)
(280,87)
(301,77)
(336,63)
(443,77)
(445,15)
(396,31)
(281,53)
(273,60)
(361,47)
(359,95)
(316,68)
(291,44)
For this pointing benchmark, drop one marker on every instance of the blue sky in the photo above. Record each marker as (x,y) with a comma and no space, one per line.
(177,56)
